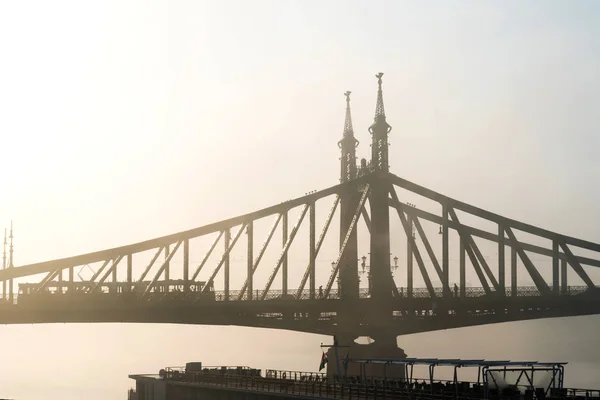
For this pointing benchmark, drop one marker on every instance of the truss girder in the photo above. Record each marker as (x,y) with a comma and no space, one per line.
(490,216)
(107,273)
(317,246)
(48,278)
(261,253)
(533,272)
(572,260)
(100,256)
(477,253)
(100,270)
(493,237)
(207,255)
(163,267)
(417,254)
(467,245)
(357,213)
(562,248)
(400,209)
(224,257)
(284,252)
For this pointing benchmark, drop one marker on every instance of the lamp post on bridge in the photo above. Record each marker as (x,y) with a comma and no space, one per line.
(366,269)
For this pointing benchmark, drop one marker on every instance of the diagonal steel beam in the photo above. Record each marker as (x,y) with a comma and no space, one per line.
(361,204)
(533,272)
(415,249)
(288,243)
(106,274)
(97,273)
(97,256)
(47,279)
(163,267)
(260,254)
(366,218)
(429,249)
(468,239)
(464,236)
(206,256)
(318,246)
(224,257)
(576,266)
(492,237)
(150,264)
(487,215)
(404,209)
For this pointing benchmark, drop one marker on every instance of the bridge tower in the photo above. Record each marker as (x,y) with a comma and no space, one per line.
(380,311)
(348,271)
(381,277)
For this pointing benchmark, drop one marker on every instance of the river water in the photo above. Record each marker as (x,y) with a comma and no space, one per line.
(92,361)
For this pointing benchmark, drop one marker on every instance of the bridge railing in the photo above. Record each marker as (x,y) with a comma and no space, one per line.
(418,293)
(323,386)
(272,295)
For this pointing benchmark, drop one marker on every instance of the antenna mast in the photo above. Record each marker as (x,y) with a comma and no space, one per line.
(10,264)
(4,267)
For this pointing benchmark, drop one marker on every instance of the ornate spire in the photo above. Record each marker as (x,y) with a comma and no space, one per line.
(348,130)
(379,131)
(348,146)
(379,109)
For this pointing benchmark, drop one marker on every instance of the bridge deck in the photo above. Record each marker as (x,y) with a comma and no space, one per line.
(320,315)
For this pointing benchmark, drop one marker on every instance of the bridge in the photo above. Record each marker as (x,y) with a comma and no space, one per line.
(353,296)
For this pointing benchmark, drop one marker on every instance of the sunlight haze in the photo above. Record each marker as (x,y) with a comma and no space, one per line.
(121,121)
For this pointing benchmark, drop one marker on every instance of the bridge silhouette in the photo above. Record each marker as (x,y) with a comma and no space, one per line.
(58,291)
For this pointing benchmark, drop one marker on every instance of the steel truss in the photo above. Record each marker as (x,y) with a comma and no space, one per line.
(561,252)
(155,281)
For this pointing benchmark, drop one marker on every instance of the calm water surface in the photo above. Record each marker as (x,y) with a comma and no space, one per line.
(72,361)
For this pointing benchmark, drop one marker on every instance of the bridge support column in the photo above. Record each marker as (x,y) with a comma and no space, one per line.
(348,268)
(381,276)
(383,345)
(227,242)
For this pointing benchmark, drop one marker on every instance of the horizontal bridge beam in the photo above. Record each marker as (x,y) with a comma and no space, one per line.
(493,237)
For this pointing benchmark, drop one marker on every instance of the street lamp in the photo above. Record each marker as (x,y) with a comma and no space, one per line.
(366,269)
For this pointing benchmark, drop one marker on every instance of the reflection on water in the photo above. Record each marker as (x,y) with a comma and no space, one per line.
(92,361)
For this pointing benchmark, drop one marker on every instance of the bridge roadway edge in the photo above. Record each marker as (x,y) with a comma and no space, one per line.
(246,314)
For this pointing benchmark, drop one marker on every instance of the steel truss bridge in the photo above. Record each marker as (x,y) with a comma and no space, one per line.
(56,291)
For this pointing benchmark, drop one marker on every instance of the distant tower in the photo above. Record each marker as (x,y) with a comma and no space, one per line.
(10,264)
(4,267)
(380,130)
(349,200)
(348,144)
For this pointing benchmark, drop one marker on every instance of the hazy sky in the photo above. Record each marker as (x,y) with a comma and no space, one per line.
(124,120)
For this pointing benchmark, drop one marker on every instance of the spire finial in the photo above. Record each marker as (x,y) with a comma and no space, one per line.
(348,146)
(379,109)
(380,130)
(348,130)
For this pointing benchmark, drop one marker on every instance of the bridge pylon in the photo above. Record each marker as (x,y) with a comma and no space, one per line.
(349,201)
